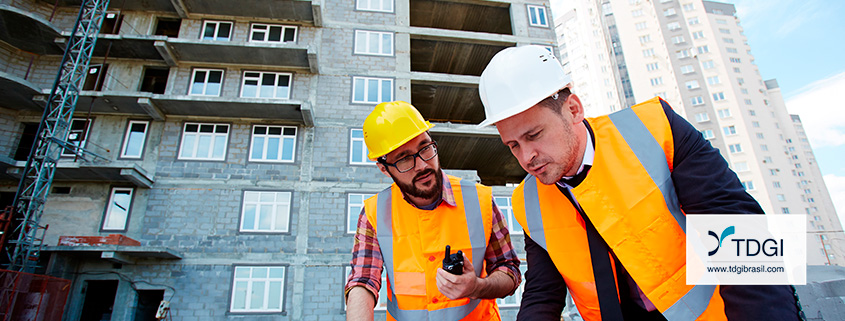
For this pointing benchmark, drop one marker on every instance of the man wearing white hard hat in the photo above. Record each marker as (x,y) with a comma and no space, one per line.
(605,202)
(412,229)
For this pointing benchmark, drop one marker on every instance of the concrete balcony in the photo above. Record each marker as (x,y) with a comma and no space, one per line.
(466,147)
(122,46)
(17,93)
(480,16)
(28,32)
(287,55)
(158,107)
(68,170)
(305,12)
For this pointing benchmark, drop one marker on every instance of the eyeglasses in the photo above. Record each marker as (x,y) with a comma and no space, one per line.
(407,163)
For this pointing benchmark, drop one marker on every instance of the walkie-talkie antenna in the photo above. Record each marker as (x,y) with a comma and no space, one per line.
(448,252)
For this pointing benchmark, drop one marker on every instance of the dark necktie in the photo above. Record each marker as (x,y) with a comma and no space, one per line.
(578,178)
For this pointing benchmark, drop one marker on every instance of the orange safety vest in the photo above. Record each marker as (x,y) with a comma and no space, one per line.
(412,243)
(629,197)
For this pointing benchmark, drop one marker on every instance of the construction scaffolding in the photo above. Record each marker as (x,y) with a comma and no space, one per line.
(31,297)
(24,246)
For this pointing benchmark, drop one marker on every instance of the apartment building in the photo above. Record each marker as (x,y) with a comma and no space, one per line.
(226,165)
(694,55)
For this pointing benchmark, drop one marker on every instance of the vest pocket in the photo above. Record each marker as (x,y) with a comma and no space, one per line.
(409,283)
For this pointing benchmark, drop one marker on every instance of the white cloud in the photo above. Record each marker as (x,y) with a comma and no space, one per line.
(822,110)
(836,188)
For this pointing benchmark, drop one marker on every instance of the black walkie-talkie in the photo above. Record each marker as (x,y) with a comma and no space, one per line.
(453,263)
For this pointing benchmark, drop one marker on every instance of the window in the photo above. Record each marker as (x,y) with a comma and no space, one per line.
(133,141)
(202,141)
(373,43)
(686,69)
(744,91)
(206,82)
(515,299)
(713,80)
(773,171)
(697,100)
(682,53)
(678,39)
(641,25)
(755,124)
(272,33)
(785,210)
(764,147)
(724,113)
(708,64)
(637,13)
(96,77)
(689,7)
(708,134)
(357,149)
(760,135)
(740,81)
(216,30)
(748,101)
(504,204)
(729,130)
(366,90)
(741,166)
(703,49)
(718,96)
(265,212)
(258,289)
(537,16)
(729,40)
(781,198)
(354,205)
(652,66)
(725,31)
(674,26)
(736,69)
(767,159)
(698,35)
(748,185)
(735,60)
(656,81)
(648,52)
(375,5)
(645,39)
(258,84)
(752,112)
(702,117)
(721,21)
(692,21)
(272,144)
(776,184)
(669,12)
(735,148)
(692,84)
(77,135)
(117,209)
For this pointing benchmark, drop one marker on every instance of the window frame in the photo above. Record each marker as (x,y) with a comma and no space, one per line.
(213,132)
(352,140)
(274,214)
(259,80)
(381,305)
(708,134)
(252,32)
(359,7)
(282,136)
(205,83)
(379,94)
(126,137)
(82,142)
(542,22)
(366,34)
(107,211)
(352,217)
(248,292)
(216,30)
(508,214)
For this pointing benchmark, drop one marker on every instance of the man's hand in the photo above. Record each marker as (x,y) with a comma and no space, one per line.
(459,286)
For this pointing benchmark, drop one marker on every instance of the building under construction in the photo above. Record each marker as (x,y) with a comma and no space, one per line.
(224,164)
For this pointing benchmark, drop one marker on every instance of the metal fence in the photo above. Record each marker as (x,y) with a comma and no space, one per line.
(32,297)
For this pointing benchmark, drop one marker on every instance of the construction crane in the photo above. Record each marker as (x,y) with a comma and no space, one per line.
(24,250)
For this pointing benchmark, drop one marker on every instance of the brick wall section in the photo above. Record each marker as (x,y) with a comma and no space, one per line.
(9,140)
(341,10)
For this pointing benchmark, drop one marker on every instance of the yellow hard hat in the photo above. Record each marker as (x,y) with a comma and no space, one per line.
(390,125)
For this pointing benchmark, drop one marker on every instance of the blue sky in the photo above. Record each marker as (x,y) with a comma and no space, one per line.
(801,44)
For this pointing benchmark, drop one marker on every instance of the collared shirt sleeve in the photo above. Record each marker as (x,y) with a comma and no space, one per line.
(367,261)
(500,254)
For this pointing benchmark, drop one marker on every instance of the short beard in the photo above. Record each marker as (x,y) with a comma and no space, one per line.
(412,190)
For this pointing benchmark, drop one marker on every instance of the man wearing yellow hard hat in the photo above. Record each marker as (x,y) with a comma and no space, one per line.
(604,205)
(442,241)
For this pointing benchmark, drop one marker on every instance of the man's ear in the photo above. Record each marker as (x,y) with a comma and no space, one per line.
(383,169)
(574,107)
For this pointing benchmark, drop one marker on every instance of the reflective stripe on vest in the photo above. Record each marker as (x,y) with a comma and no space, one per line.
(652,157)
(475,224)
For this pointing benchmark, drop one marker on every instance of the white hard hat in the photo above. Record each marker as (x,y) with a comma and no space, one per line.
(518,78)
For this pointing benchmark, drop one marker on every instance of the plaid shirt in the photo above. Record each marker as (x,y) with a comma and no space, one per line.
(367,261)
